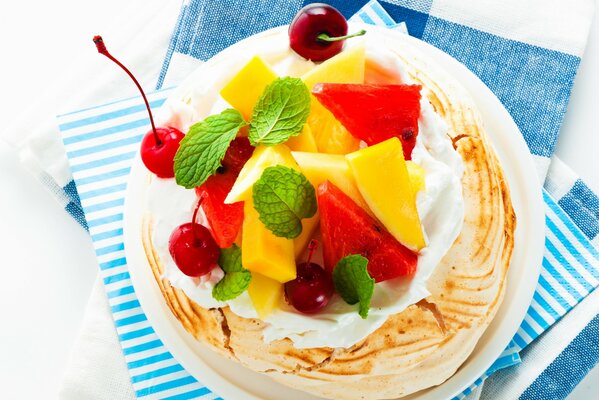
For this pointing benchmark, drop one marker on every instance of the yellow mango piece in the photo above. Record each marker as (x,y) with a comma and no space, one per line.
(265,294)
(382,177)
(416,174)
(345,67)
(244,90)
(319,167)
(303,142)
(309,226)
(262,251)
(262,158)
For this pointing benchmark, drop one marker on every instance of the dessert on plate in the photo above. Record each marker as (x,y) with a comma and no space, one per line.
(334,216)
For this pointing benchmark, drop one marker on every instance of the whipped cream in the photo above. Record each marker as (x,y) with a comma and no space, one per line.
(440,206)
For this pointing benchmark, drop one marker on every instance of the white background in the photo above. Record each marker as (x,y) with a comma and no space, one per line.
(47,262)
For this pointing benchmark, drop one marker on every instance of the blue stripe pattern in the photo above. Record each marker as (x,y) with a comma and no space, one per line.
(102,182)
(570,366)
(101,143)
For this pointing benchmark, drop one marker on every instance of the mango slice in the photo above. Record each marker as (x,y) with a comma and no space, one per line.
(244,90)
(262,158)
(309,226)
(319,167)
(303,142)
(345,67)
(416,174)
(262,251)
(382,177)
(265,294)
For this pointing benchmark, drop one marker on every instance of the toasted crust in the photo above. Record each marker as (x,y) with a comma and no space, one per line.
(423,345)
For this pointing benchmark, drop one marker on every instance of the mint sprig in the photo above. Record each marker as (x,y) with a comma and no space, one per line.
(203,148)
(353,282)
(236,279)
(283,197)
(281,112)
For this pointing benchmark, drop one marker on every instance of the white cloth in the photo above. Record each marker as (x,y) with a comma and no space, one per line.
(96,369)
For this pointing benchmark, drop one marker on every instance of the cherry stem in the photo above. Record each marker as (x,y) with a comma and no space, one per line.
(312,246)
(102,50)
(193,218)
(326,38)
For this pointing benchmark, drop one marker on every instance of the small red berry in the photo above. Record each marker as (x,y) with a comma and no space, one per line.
(318,32)
(159,146)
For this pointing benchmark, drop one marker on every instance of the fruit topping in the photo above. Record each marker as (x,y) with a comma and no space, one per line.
(244,90)
(318,32)
(192,247)
(225,220)
(382,177)
(330,135)
(284,197)
(347,229)
(374,113)
(262,251)
(262,158)
(159,146)
(265,294)
(313,287)
(303,142)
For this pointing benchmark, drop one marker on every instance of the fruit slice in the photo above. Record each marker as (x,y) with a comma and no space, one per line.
(347,229)
(300,243)
(303,142)
(244,90)
(263,157)
(416,174)
(374,113)
(345,67)
(382,177)
(265,294)
(225,219)
(319,167)
(262,251)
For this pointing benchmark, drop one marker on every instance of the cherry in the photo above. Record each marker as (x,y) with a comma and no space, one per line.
(313,287)
(159,146)
(192,247)
(318,32)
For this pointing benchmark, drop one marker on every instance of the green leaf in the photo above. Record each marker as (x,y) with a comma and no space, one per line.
(353,282)
(283,196)
(203,148)
(236,279)
(281,112)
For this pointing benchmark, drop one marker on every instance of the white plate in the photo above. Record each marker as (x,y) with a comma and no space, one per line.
(232,381)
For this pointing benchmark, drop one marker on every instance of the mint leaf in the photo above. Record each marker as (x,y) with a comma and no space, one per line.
(283,196)
(281,112)
(203,148)
(236,279)
(353,283)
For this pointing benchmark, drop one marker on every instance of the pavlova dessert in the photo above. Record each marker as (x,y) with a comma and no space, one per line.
(333,216)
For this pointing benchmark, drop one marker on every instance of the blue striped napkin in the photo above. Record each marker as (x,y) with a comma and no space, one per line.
(533,80)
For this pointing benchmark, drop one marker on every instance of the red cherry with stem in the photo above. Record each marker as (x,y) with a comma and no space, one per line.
(159,146)
(313,287)
(318,32)
(192,247)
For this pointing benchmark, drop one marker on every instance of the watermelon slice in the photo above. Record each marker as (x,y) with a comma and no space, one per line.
(225,220)
(374,113)
(347,229)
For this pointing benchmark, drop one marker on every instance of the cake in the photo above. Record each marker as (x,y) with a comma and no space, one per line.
(428,307)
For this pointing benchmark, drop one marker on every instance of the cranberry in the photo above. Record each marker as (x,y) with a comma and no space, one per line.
(159,157)
(159,146)
(311,290)
(318,31)
(193,248)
